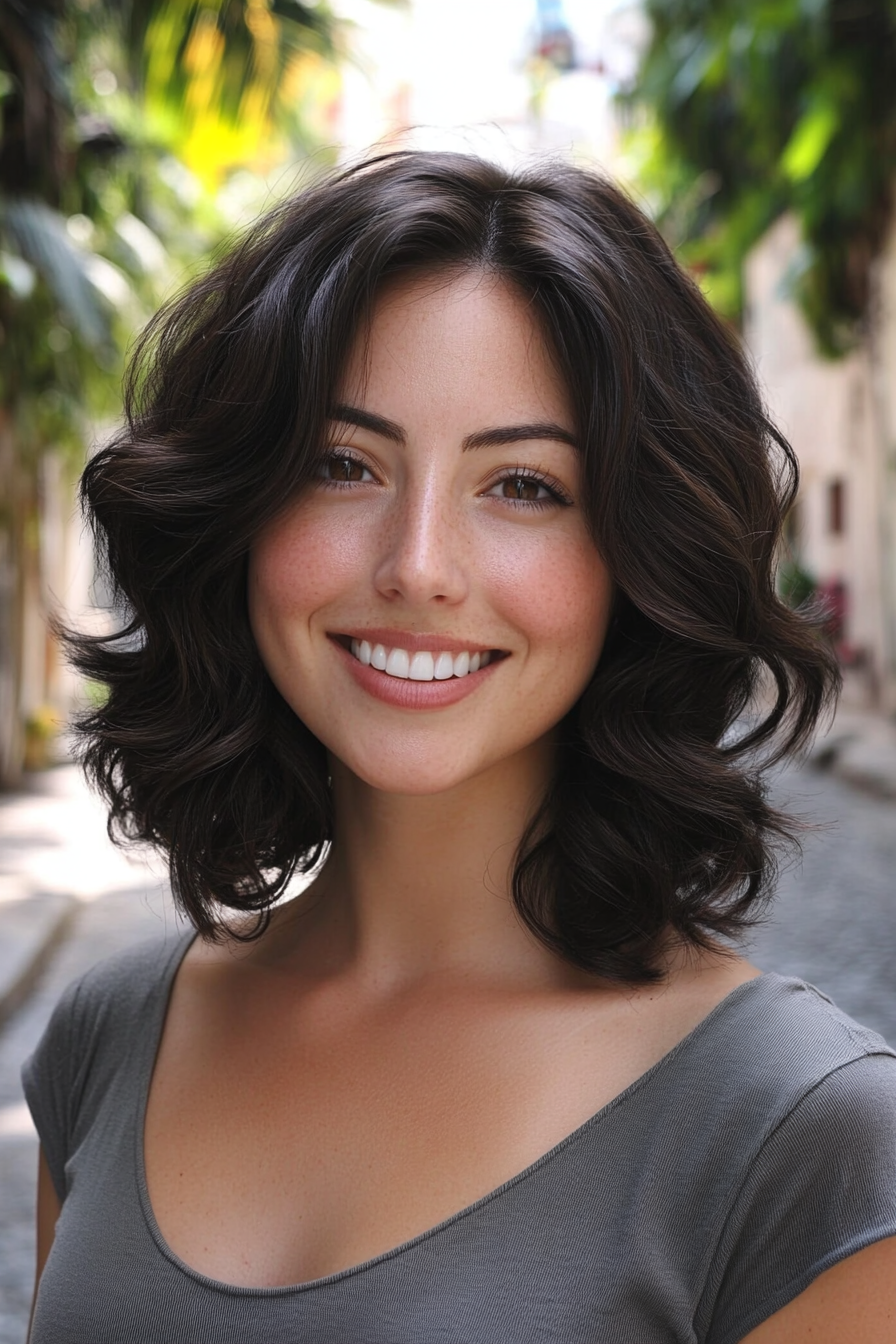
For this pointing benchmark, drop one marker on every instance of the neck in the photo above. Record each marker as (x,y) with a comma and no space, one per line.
(417,886)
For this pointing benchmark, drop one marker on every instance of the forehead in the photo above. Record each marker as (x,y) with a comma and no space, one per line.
(466,338)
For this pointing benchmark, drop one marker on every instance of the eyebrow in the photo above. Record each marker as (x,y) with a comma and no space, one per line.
(483,438)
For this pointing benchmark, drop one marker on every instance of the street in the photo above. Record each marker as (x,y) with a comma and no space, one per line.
(833,925)
(834,922)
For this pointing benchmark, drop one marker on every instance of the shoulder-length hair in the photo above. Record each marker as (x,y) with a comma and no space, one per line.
(657,818)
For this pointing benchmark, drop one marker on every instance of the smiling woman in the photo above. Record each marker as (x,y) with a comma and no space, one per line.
(445,516)
(420,521)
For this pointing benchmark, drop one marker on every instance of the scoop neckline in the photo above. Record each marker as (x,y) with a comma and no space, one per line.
(153,1041)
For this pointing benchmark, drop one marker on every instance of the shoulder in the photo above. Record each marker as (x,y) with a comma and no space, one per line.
(794,1008)
(774,1088)
(751,1066)
(113,991)
(98,1022)
(809,1119)
(841,1075)
(794,1089)
(775,1039)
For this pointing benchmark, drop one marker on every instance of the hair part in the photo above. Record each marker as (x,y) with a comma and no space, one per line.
(658,817)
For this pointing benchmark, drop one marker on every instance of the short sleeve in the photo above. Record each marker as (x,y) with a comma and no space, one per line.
(48,1079)
(822,1187)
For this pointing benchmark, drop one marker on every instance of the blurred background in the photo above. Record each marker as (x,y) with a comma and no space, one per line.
(137,136)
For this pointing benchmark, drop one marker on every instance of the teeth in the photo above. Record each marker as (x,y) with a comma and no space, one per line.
(421,666)
(398,664)
(444,667)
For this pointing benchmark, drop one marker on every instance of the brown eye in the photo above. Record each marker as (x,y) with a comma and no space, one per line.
(521,487)
(344,469)
(525,487)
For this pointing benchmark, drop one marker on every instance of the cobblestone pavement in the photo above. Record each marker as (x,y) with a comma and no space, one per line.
(834,922)
(834,925)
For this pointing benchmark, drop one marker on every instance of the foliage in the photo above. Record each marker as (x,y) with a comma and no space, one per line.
(122,128)
(134,134)
(229,83)
(749,108)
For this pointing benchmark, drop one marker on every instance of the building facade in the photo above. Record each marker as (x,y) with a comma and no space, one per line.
(840,416)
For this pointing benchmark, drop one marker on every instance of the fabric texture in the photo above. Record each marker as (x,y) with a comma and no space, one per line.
(713,1190)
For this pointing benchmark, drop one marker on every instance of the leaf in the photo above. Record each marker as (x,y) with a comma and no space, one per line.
(39,235)
(808,144)
(19,274)
(144,249)
(792,105)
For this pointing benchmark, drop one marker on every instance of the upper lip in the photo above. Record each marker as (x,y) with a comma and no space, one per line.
(415,643)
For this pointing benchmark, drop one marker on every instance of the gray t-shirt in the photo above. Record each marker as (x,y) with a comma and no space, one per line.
(755,1155)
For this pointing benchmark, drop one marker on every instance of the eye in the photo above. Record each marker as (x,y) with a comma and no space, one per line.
(342,468)
(528,487)
(523,487)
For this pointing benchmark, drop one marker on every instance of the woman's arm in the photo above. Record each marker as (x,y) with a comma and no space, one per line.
(855,1300)
(48,1207)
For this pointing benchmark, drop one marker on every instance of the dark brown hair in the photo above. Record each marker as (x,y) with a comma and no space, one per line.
(658,816)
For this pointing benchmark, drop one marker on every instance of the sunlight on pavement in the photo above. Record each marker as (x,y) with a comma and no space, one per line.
(56,841)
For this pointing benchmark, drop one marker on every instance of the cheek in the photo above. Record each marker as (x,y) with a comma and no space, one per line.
(559,593)
(299,564)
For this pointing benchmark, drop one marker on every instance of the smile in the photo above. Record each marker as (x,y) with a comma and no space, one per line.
(419,665)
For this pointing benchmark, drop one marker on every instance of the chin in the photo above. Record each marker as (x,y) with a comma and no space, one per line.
(423,768)
(414,769)
(409,780)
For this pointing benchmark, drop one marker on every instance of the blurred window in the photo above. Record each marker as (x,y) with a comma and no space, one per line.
(836,508)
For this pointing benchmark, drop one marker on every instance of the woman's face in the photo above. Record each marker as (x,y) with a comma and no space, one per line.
(445,529)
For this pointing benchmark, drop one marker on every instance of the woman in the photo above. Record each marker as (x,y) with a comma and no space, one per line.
(446,515)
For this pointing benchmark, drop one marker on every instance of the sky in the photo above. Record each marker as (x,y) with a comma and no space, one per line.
(441,65)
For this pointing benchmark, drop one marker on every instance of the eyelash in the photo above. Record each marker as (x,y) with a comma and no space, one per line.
(558,495)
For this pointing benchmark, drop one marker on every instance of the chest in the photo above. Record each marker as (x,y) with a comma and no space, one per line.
(281,1147)
(562,1253)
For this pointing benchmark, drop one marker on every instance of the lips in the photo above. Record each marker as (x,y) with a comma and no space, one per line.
(408,677)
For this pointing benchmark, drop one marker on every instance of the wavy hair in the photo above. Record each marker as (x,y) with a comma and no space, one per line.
(658,817)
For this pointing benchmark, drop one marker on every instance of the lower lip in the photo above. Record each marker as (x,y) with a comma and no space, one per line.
(407,694)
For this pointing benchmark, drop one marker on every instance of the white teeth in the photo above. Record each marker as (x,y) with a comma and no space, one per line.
(444,667)
(422,667)
(398,664)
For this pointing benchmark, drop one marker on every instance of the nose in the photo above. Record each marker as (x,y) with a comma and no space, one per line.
(422,558)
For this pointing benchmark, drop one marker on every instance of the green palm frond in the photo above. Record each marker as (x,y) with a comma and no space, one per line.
(79,285)
(251,42)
